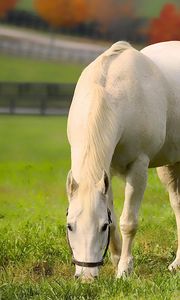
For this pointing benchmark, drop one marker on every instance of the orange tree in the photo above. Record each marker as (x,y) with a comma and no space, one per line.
(106,12)
(62,12)
(6,5)
(167,26)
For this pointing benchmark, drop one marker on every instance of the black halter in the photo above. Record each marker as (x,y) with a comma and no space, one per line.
(92,264)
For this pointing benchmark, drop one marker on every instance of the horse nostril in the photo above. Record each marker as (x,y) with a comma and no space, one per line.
(95,277)
(76,276)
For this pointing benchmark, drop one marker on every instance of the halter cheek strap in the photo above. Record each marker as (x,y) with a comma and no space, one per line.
(92,264)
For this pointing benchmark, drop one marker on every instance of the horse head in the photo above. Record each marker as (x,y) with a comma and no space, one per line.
(88,224)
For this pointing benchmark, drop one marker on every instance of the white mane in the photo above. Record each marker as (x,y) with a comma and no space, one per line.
(117,48)
(102,120)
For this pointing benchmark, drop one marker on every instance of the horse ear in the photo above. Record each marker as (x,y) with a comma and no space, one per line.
(103,184)
(71,184)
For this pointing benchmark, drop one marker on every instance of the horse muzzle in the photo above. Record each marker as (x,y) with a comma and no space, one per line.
(86,274)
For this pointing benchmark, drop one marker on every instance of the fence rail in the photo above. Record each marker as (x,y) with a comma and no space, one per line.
(35,98)
(54,53)
(26,44)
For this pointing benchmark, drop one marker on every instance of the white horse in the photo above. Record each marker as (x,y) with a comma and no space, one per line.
(124,119)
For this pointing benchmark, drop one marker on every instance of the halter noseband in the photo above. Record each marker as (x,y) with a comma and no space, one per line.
(92,264)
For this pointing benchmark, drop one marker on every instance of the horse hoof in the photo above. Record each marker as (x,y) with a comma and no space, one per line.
(175,266)
(125,268)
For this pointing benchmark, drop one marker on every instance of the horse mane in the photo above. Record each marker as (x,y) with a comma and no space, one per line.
(117,48)
(101,129)
(97,137)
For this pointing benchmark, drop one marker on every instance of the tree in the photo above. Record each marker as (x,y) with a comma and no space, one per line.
(62,12)
(167,26)
(108,12)
(6,5)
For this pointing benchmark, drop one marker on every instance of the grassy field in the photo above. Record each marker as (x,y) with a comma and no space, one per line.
(34,256)
(30,70)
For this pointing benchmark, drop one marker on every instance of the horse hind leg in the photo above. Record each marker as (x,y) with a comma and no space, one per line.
(170,176)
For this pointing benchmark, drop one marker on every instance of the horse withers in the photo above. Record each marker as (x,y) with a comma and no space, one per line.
(124,119)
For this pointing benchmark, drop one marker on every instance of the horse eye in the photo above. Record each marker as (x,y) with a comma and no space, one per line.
(69,227)
(105,227)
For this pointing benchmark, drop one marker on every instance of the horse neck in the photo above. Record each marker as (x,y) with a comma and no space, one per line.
(100,138)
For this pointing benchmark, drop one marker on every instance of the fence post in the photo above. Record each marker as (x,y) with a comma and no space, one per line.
(43,106)
(12,106)
(33,98)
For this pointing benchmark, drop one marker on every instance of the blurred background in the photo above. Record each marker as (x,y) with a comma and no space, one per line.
(45,44)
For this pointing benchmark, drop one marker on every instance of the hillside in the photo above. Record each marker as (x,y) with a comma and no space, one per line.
(143,8)
(25,5)
(152,8)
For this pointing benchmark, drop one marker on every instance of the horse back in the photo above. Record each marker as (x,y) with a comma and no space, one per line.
(166,56)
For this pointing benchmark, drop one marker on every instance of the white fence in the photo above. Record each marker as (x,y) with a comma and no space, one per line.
(43,47)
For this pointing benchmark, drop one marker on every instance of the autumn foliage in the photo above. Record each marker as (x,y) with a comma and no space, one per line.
(72,12)
(6,5)
(62,12)
(106,12)
(167,26)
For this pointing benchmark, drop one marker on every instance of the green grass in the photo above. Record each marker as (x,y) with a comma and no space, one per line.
(34,256)
(30,70)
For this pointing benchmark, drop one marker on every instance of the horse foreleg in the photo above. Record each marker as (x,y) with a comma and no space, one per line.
(115,242)
(136,179)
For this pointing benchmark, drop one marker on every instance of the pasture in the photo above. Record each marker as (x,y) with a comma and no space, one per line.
(35,261)
(12,69)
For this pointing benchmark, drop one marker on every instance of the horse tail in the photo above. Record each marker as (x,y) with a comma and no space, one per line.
(117,48)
